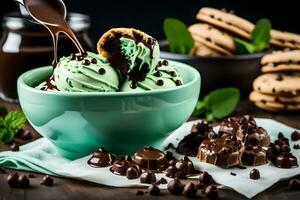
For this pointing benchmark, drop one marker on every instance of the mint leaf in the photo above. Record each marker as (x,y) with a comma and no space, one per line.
(243,47)
(10,125)
(15,120)
(199,109)
(179,38)
(223,101)
(260,36)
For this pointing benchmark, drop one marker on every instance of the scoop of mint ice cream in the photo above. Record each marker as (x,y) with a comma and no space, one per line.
(160,77)
(89,74)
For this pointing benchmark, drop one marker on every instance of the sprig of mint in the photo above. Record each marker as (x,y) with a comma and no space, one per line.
(179,37)
(218,104)
(10,125)
(260,38)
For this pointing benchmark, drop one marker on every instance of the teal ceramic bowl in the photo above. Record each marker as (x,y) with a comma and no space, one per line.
(123,122)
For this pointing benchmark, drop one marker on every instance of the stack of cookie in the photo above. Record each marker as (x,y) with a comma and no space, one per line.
(278,89)
(214,35)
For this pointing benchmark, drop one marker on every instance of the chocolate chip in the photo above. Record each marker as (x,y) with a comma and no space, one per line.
(165,63)
(140,193)
(72,56)
(279,77)
(86,62)
(102,71)
(12,180)
(84,54)
(273,90)
(178,82)
(206,179)
(94,61)
(295,136)
(23,181)
(254,174)
(133,172)
(296,146)
(173,73)
(47,181)
(148,177)
(153,190)
(14,147)
(157,74)
(171,171)
(212,192)
(280,135)
(169,156)
(170,146)
(161,181)
(189,190)
(175,187)
(232,174)
(159,64)
(294,184)
(160,82)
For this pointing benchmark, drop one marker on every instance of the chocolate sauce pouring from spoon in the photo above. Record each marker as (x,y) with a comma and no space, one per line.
(52,14)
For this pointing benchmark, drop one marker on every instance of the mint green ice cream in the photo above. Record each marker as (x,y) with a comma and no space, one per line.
(165,76)
(138,54)
(73,75)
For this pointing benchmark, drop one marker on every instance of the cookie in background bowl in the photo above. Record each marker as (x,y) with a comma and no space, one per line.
(283,39)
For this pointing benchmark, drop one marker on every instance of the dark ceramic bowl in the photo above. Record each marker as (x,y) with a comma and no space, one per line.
(222,71)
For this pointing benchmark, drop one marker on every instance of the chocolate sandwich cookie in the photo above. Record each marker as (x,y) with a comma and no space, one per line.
(224,152)
(260,97)
(190,143)
(281,61)
(254,156)
(285,39)
(226,21)
(202,50)
(281,84)
(151,159)
(213,38)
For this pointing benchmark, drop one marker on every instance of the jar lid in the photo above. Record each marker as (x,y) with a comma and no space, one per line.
(16,21)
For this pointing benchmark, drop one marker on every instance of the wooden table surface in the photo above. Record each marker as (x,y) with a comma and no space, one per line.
(81,190)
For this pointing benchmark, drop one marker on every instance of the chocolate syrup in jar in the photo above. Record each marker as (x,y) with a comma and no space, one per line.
(26,45)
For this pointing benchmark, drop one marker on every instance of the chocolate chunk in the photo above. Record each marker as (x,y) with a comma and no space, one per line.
(169,156)
(102,71)
(296,146)
(186,167)
(23,181)
(175,187)
(14,147)
(94,61)
(189,190)
(72,56)
(86,62)
(157,74)
(190,143)
(140,193)
(224,152)
(295,136)
(160,82)
(148,177)
(294,184)
(165,63)
(254,156)
(12,180)
(232,174)
(280,135)
(151,159)
(254,174)
(133,172)
(79,58)
(171,171)
(154,190)
(212,192)
(101,158)
(161,181)
(173,73)
(206,179)
(47,181)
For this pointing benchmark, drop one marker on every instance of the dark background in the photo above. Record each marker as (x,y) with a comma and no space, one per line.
(149,15)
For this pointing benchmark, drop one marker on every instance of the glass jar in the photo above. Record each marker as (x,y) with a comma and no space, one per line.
(26,44)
